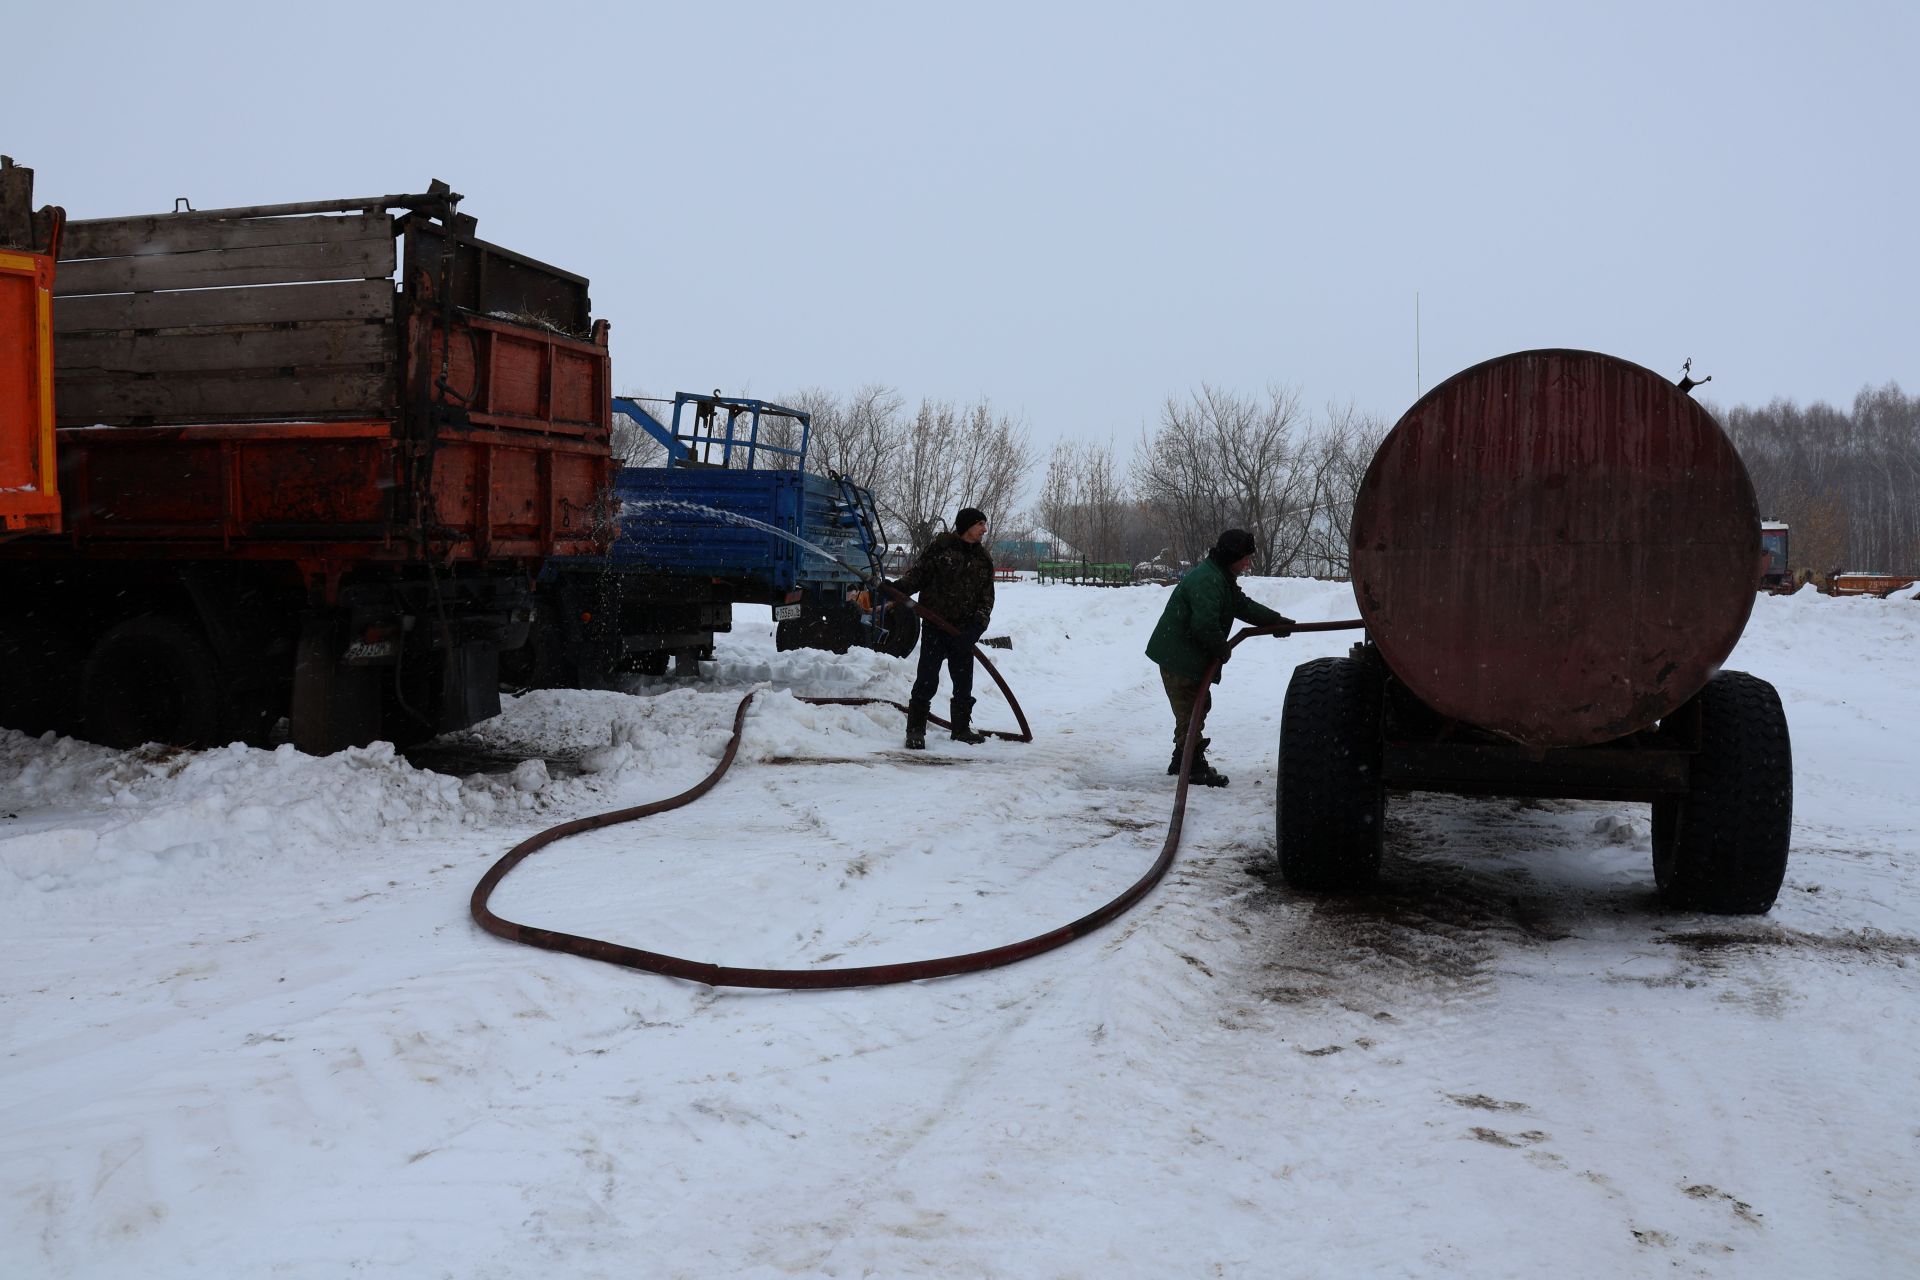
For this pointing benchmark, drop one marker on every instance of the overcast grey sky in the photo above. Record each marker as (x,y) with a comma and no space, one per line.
(1074,209)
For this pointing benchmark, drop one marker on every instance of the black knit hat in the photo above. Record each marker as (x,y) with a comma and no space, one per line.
(967,518)
(1232,545)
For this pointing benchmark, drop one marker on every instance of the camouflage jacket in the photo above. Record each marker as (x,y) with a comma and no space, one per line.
(954,578)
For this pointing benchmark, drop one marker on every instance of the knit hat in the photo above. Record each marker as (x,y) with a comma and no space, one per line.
(1231,546)
(968,517)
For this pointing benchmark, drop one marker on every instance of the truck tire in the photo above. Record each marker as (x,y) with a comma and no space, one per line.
(35,683)
(1722,847)
(818,631)
(334,707)
(844,630)
(540,663)
(1330,804)
(153,679)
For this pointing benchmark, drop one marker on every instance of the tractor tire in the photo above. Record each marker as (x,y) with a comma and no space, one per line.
(791,634)
(1722,847)
(1330,804)
(153,679)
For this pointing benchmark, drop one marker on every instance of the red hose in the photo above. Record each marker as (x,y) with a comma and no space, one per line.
(872,975)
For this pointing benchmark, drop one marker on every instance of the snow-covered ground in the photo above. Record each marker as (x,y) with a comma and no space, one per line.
(247,1028)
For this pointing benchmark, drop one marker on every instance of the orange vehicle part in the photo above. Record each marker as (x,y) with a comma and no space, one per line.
(1871,584)
(29,494)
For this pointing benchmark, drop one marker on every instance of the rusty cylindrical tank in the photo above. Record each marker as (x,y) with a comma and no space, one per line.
(1558,546)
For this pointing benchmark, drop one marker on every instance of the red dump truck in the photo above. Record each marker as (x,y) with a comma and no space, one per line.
(1553,553)
(310,457)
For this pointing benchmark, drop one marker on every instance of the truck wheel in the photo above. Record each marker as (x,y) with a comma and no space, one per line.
(334,707)
(540,663)
(842,629)
(153,679)
(819,631)
(35,684)
(1330,803)
(1722,847)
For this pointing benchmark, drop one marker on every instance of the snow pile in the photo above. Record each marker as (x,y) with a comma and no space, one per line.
(133,824)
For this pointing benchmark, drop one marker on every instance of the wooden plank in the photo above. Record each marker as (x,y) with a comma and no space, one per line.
(349,300)
(318,395)
(76,438)
(97,355)
(170,233)
(275,264)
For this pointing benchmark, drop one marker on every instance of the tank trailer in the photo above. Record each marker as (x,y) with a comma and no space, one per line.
(1553,553)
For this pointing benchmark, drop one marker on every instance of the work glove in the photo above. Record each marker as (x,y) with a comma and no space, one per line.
(1286,627)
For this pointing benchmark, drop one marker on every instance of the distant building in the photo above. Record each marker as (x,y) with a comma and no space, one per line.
(1027,551)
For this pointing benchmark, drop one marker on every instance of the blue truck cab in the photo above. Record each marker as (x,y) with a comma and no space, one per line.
(733,517)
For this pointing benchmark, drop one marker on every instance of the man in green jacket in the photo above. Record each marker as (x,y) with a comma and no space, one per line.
(1192,632)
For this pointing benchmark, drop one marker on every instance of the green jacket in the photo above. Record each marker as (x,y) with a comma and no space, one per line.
(1193,628)
(954,578)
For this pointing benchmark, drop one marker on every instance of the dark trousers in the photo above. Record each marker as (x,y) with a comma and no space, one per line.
(1182,693)
(936,647)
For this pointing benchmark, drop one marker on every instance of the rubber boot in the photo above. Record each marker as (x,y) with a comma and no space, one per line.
(1204,774)
(916,726)
(960,712)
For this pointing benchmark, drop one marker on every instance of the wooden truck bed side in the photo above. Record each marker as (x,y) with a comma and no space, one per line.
(257,387)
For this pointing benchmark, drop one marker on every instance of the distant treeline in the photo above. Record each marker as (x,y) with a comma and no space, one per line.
(1848,482)
(1217,459)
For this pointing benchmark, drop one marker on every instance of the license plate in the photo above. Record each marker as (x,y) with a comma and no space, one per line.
(363,651)
(787,612)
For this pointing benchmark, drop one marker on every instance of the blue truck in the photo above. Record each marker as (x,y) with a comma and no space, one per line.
(716,526)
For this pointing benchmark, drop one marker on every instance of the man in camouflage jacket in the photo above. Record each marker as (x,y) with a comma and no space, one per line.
(1192,633)
(954,579)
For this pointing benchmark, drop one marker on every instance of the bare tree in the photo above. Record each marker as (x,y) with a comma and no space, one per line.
(859,437)
(1084,500)
(952,457)
(1847,482)
(1221,460)
(995,457)
(1342,449)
